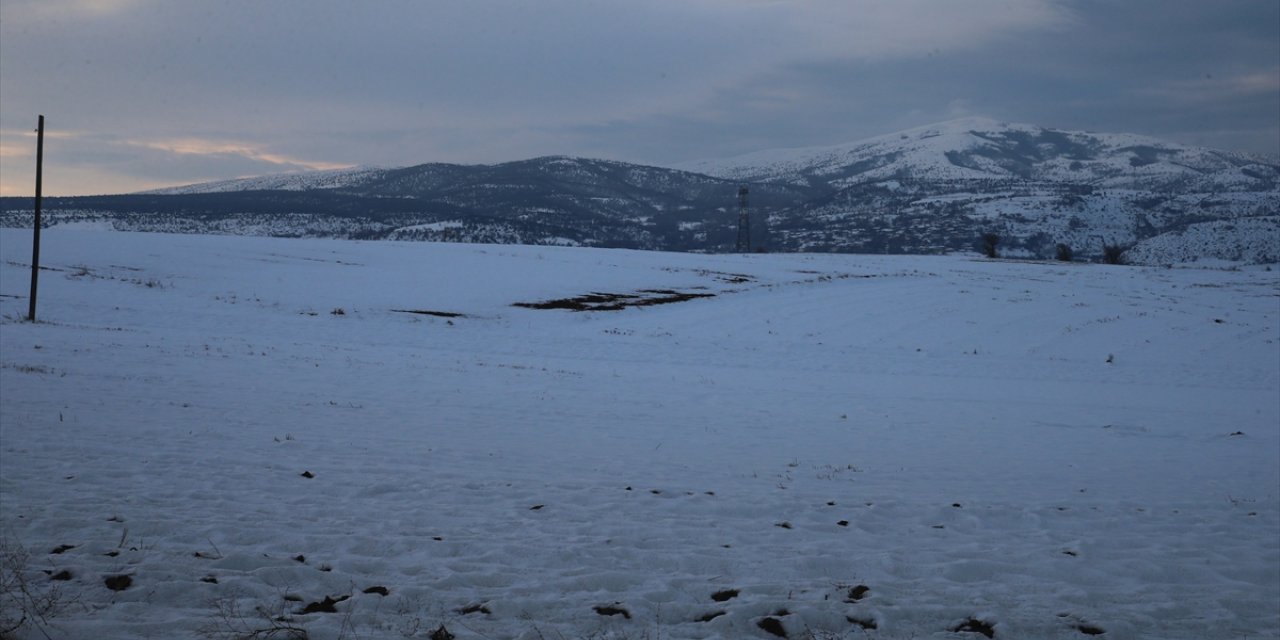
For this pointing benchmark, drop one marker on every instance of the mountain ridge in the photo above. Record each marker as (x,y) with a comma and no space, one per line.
(930,189)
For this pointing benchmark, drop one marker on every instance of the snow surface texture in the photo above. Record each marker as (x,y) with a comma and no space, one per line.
(931,446)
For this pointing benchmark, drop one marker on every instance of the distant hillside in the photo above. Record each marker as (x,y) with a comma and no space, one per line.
(925,190)
(934,188)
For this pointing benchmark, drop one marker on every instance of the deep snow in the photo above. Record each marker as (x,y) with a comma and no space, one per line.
(1048,448)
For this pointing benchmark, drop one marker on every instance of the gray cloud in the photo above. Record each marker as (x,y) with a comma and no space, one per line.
(165,92)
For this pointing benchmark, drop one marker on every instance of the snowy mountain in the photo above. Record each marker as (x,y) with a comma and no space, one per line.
(932,189)
(980,149)
(296,181)
(937,187)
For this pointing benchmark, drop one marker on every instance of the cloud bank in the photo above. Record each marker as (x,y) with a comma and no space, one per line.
(165,92)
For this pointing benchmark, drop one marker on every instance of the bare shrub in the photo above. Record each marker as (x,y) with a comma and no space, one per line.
(23,601)
(232,622)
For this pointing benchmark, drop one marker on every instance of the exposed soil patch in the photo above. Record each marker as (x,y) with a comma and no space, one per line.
(598,301)
(474,608)
(710,616)
(722,276)
(118,583)
(772,626)
(975,626)
(1090,630)
(323,606)
(857,593)
(612,610)
(62,548)
(726,594)
(379,589)
(428,312)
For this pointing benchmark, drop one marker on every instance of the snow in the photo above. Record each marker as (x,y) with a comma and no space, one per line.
(1042,447)
(294,181)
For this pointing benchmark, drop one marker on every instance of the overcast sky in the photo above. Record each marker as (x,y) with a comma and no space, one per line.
(146,93)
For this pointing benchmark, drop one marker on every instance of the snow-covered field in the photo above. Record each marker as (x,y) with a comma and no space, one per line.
(831,446)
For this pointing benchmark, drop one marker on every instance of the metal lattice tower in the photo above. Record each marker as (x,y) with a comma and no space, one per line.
(744,222)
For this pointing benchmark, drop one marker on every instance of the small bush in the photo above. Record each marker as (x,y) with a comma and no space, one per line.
(1113,253)
(263,622)
(989,242)
(23,602)
(1064,252)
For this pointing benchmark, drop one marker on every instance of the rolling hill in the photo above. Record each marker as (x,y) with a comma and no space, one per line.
(933,189)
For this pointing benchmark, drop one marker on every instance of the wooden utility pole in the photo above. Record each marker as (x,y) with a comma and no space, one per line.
(35,237)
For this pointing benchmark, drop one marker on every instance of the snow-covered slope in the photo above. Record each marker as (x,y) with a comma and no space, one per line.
(939,187)
(366,439)
(983,149)
(296,181)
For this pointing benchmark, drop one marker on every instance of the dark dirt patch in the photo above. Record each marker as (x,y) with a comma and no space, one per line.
(537,507)
(710,616)
(724,594)
(973,625)
(612,610)
(843,523)
(307,474)
(378,589)
(62,548)
(598,301)
(474,608)
(731,278)
(857,593)
(428,312)
(209,579)
(772,626)
(1090,630)
(323,606)
(441,633)
(300,558)
(865,623)
(784,525)
(118,583)
(61,575)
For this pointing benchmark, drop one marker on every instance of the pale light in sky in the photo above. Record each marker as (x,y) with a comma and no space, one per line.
(144,93)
